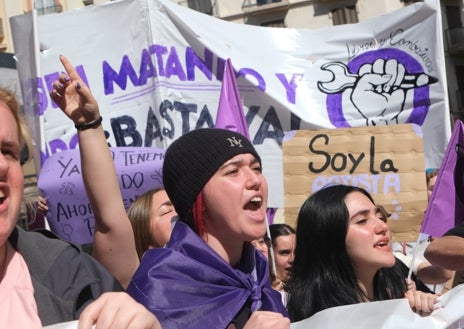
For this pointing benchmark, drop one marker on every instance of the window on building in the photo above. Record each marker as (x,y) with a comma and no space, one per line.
(203,6)
(264,2)
(410,2)
(460,91)
(455,31)
(453,16)
(344,15)
(48,6)
(274,23)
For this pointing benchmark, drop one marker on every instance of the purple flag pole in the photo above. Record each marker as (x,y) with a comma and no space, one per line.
(446,206)
(230,111)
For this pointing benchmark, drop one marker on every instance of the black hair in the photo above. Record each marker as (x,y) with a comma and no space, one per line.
(280,229)
(276,230)
(323,275)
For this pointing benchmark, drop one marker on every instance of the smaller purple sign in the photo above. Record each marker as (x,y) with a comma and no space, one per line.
(70,215)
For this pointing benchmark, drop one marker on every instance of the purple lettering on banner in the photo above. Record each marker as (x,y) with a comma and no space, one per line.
(49,79)
(60,181)
(261,84)
(147,69)
(174,66)
(110,76)
(74,141)
(159,51)
(221,64)
(290,86)
(42,96)
(80,70)
(57,145)
(193,61)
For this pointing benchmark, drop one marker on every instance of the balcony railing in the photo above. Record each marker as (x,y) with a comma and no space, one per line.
(455,40)
(254,3)
(264,6)
(49,10)
(203,6)
(265,2)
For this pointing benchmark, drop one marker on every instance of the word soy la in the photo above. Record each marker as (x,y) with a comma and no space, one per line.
(339,161)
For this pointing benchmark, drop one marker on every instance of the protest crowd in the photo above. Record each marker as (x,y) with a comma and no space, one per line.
(201,251)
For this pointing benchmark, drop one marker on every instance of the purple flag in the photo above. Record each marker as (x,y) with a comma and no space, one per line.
(230,112)
(270,213)
(446,206)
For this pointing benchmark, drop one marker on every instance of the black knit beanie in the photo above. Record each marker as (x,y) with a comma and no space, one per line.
(191,160)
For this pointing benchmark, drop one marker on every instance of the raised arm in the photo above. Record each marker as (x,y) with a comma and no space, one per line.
(447,252)
(433,274)
(114,244)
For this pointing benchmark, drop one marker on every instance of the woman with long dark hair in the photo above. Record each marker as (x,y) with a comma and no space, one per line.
(343,256)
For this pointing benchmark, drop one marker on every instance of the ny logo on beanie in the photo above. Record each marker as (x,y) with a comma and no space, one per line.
(235,142)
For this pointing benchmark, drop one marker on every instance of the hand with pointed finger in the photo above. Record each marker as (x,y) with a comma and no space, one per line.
(73,96)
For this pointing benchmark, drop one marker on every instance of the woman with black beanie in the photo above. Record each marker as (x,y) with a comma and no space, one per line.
(208,275)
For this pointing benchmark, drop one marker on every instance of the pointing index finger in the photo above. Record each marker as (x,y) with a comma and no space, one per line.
(69,68)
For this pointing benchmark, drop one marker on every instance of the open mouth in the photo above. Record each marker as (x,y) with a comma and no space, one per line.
(382,244)
(255,203)
(2,197)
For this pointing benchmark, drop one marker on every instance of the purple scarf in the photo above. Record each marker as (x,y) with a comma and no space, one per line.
(188,285)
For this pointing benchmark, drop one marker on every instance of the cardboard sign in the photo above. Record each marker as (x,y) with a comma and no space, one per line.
(387,161)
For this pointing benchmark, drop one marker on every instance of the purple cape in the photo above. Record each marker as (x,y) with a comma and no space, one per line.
(188,285)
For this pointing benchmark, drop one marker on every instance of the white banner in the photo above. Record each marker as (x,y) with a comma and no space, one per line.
(155,68)
(390,314)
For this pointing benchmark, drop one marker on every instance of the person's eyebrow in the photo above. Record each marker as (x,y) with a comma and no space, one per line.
(239,161)
(360,213)
(166,203)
